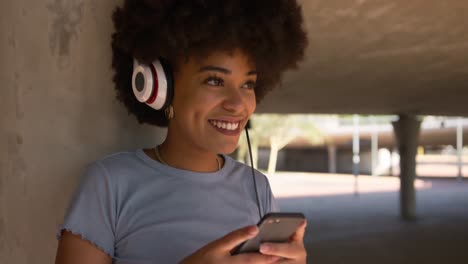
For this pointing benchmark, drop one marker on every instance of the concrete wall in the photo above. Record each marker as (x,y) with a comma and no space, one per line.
(315,160)
(345,161)
(302,159)
(57,113)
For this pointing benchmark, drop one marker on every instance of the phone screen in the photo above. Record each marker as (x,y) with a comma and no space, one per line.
(274,227)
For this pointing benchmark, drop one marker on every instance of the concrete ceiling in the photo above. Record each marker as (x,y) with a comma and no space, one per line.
(380,57)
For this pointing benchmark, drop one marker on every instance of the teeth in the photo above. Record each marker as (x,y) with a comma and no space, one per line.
(224,125)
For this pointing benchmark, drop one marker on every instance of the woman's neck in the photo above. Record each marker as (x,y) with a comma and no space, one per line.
(183,155)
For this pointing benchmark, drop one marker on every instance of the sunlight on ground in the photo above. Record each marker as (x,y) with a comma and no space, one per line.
(294,184)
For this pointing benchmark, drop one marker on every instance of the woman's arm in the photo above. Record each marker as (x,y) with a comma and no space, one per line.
(72,249)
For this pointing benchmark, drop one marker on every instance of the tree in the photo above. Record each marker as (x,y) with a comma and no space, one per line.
(242,150)
(278,130)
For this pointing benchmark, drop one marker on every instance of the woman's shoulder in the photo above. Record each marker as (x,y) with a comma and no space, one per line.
(120,164)
(115,160)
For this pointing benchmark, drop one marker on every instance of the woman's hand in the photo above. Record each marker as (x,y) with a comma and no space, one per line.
(290,253)
(219,251)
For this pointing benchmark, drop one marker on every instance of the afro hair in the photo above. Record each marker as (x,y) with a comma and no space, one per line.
(269,32)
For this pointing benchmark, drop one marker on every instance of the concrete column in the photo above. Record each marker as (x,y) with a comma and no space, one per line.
(392,171)
(460,148)
(331,158)
(407,134)
(356,157)
(374,148)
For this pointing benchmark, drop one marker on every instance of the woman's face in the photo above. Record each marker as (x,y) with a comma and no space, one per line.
(213,99)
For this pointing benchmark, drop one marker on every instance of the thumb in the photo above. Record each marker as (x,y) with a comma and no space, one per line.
(236,237)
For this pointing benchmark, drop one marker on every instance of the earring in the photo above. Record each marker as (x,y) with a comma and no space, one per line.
(169,112)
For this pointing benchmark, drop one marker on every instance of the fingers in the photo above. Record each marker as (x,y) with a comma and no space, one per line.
(285,250)
(236,237)
(255,258)
(298,236)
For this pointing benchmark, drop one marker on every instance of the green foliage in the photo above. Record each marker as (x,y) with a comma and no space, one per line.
(282,129)
(276,131)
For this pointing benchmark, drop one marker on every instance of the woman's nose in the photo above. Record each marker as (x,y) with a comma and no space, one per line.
(233,102)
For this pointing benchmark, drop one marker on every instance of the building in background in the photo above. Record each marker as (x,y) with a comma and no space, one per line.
(332,151)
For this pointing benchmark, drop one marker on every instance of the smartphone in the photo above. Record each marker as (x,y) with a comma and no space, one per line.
(274,227)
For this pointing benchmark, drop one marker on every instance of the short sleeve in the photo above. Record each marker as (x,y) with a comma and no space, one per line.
(272,204)
(91,211)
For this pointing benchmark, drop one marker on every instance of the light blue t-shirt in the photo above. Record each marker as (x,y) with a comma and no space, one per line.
(138,210)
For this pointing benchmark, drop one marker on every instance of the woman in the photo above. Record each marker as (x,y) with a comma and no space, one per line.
(186,200)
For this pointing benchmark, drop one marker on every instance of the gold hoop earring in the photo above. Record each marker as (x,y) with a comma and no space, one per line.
(169,112)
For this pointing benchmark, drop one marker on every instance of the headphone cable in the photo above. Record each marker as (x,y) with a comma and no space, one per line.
(253,172)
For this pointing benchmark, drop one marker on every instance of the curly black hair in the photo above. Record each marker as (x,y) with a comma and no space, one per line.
(269,32)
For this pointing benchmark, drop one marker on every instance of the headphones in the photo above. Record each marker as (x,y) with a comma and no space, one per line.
(153,84)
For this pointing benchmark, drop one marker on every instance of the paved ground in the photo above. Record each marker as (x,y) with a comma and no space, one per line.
(344,228)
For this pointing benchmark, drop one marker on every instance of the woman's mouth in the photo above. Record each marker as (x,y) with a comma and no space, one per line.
(226,127)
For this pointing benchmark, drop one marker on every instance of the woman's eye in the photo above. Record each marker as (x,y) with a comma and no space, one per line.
(214,81)
(250,85)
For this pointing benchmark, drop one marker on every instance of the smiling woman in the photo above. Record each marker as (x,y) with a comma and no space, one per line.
(186,200)
(213,95)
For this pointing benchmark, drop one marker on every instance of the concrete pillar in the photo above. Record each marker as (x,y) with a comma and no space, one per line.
(331,158)
(356,157)
(374,147)
(460,148)
(392,170)
(407,134)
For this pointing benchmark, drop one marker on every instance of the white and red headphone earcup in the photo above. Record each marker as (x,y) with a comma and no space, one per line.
(142,82)
(150,84)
